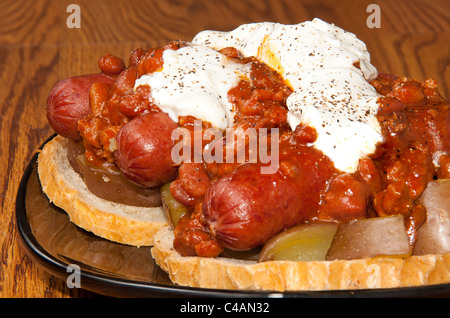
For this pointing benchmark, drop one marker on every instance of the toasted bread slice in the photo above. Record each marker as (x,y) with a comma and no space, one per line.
(280,276)
(113,221)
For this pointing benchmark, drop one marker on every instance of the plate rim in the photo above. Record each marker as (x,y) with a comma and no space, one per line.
(115,287)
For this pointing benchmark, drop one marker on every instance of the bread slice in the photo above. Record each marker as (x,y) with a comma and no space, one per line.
(113,221)
(149,227)
(280,276)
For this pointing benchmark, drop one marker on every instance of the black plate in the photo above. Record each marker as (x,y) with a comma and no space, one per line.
(118,270)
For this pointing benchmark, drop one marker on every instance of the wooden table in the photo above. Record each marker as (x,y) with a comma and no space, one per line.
(38,48)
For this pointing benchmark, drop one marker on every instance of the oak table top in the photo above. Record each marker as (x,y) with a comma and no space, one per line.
(44,41)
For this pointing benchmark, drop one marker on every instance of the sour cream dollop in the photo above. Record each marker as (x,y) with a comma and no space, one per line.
(328,69)
(195,81)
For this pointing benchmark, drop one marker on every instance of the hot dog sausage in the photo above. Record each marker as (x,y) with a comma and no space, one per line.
(246,208)
(69,101)
(144,148)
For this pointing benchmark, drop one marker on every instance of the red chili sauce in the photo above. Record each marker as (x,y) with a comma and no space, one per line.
(413,116)
(415,125)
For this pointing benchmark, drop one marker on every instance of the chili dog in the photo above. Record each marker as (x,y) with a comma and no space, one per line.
(84,110)
(398,126)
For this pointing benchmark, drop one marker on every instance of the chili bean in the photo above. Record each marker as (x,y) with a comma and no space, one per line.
(98,95)
(407,91)
(390,105)
(346,199)
(180,194)
(125,81)
(231,52)
(110,64)
(133,105)
(136,57)
(194,178)
(151,62)
(370,175)
(431,92)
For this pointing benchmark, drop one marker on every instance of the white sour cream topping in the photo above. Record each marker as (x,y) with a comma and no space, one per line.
(328,69)
(195,81)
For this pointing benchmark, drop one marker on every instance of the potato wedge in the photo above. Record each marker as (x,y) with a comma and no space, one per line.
(373,237)
(305,242)
(434,236)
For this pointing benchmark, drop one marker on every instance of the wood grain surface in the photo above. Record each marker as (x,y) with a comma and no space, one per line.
(37,49)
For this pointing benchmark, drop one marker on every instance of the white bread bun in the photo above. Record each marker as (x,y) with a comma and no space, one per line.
(113,221)
(280,276)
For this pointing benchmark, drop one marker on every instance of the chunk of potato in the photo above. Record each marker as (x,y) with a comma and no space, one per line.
(373,237)
(305,242)
(433,237)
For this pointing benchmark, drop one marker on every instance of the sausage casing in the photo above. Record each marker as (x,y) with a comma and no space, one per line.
(69,101)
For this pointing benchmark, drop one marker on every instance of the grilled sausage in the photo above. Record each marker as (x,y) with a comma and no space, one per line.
(246,208)
(69,101)
(144,148)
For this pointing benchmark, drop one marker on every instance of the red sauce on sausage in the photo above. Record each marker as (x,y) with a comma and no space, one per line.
(415,124)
